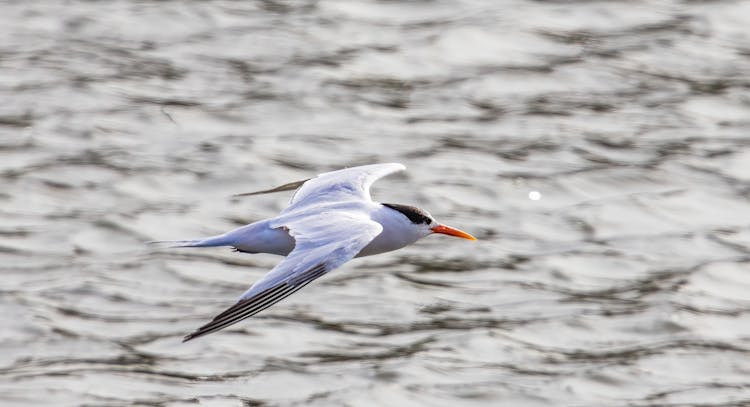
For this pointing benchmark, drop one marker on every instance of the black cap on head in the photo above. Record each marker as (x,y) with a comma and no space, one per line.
(415,215)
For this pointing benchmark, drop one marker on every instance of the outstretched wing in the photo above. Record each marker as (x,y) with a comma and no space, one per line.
(342,185)
(323,242)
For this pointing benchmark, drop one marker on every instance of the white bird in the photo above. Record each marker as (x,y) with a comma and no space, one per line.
(330,220)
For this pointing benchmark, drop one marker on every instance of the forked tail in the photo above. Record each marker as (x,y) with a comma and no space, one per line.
(213,241)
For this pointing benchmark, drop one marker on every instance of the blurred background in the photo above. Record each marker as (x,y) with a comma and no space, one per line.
(599,151)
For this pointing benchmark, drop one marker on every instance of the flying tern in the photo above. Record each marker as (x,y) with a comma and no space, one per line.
(330,219)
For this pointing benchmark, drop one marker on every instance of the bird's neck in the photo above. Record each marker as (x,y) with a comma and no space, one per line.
(398,231)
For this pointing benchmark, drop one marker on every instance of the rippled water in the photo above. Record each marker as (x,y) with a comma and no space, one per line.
(599,150)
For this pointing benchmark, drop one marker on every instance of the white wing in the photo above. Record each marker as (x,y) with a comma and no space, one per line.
(323,242)
(342,185)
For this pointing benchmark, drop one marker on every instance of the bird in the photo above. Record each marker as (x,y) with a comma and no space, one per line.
(330,219)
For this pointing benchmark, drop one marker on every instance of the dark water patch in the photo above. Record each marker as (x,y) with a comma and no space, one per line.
(385,92)
(443,117)
(632,353)
(396,352)
(55,184)
(134,359)
(444,307)
(705,85)
(655,282)
(617,143)
(147,338)
(288,162)
(24,120)
(448,323)
(565,105)
(735,312)
(71,371)
(332,60)
(421,281)
(439,265)
(15,232)
(14,250)
(167,102)
(96,158)
(379,84)
(490,111)
(68,311)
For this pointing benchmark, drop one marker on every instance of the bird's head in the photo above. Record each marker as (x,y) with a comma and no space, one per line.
(426,223)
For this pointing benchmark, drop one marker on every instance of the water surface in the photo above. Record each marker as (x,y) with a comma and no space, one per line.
(598,150)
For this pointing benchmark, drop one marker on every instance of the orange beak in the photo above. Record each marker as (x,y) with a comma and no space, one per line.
(447,230)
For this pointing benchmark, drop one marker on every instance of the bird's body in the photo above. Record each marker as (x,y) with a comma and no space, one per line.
(330,220)
(265,236)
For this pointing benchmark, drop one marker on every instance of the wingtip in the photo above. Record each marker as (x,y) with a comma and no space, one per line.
(286,187)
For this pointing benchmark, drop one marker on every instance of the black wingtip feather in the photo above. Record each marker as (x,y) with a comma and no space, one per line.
(286,187)
(250,306)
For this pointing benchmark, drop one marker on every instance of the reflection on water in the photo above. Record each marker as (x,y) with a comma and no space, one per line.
(598,150)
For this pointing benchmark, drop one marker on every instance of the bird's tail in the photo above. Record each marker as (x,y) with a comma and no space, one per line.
(213,241)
